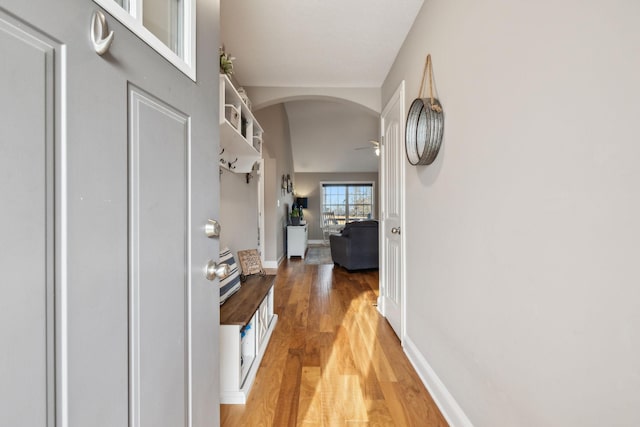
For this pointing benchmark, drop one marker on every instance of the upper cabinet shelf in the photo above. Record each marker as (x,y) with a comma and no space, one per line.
(240,132)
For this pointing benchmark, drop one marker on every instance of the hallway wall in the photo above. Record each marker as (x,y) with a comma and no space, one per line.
(523,236)
(278,162)
(238,211)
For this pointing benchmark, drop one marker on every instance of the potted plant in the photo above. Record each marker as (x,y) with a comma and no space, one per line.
(295,216)
(226,62)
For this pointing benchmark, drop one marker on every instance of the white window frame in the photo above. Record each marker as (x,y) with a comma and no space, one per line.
(133,21)
(346,183)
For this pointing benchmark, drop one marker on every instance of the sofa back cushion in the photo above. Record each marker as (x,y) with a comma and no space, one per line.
(360,227)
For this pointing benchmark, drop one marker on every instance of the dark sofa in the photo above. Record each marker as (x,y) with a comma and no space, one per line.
(356,248)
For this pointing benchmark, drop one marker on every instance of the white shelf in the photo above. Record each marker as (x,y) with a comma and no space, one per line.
(241,145)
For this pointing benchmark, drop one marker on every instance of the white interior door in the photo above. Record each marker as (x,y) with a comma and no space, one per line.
(108,174)
(391,302)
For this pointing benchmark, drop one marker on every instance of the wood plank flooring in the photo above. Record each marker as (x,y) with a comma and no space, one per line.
(332,359)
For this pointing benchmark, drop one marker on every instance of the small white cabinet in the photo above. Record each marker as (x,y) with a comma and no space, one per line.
(297,236)
(247,321)
(240,132)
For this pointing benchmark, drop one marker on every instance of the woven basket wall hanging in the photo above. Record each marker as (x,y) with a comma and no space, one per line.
(425,124)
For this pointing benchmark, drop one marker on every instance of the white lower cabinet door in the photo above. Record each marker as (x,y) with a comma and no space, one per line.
(263,321)
(248,347)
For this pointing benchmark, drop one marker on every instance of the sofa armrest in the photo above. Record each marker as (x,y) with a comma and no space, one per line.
(340,248)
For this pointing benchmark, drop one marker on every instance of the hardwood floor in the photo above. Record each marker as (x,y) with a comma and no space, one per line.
(332,359)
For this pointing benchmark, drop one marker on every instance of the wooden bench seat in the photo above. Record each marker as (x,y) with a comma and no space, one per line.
(242,305)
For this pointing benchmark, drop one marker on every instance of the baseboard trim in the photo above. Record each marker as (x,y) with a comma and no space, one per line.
(273,264)
(450,409)
(316,242)
(270,264)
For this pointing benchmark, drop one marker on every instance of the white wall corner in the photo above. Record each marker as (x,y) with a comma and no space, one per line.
(450,409)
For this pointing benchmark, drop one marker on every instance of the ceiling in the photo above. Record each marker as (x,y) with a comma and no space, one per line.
(319,44)
(315,43)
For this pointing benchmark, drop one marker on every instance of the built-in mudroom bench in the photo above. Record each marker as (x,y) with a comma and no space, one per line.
(246,323)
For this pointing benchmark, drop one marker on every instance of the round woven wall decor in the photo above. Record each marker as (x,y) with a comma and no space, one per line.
(425,125)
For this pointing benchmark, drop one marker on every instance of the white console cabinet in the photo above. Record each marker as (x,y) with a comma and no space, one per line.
(247,321)
(297,236)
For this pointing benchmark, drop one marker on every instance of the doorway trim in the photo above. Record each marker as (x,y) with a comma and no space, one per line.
(261,230)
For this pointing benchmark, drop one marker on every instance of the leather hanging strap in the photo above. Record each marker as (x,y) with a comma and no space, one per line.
(428,67)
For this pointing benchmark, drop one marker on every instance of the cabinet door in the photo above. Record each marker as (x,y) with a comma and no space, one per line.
(230,357)
(248,347)
(263,321)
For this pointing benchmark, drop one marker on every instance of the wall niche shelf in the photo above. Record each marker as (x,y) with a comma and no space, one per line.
(240,132)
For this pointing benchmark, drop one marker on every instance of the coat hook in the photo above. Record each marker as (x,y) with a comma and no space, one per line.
(101,37)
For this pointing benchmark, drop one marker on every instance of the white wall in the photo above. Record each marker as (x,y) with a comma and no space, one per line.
(327,136)
(238,212)
(278,161)
(523,236)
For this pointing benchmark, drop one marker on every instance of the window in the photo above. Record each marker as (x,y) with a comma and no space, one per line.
(167,26)
(164,19)
(348,201)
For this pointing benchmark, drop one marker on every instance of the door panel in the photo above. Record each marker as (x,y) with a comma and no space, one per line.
(88,262)
(392,171)
(391,275)
(26,226)
(159,351)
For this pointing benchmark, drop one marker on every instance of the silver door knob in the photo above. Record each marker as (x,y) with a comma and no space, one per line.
(395,230)
(212,228)
(213,270)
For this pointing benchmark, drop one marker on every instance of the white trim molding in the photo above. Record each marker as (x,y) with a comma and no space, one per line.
(274,264)
(133,21)
(450,409)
